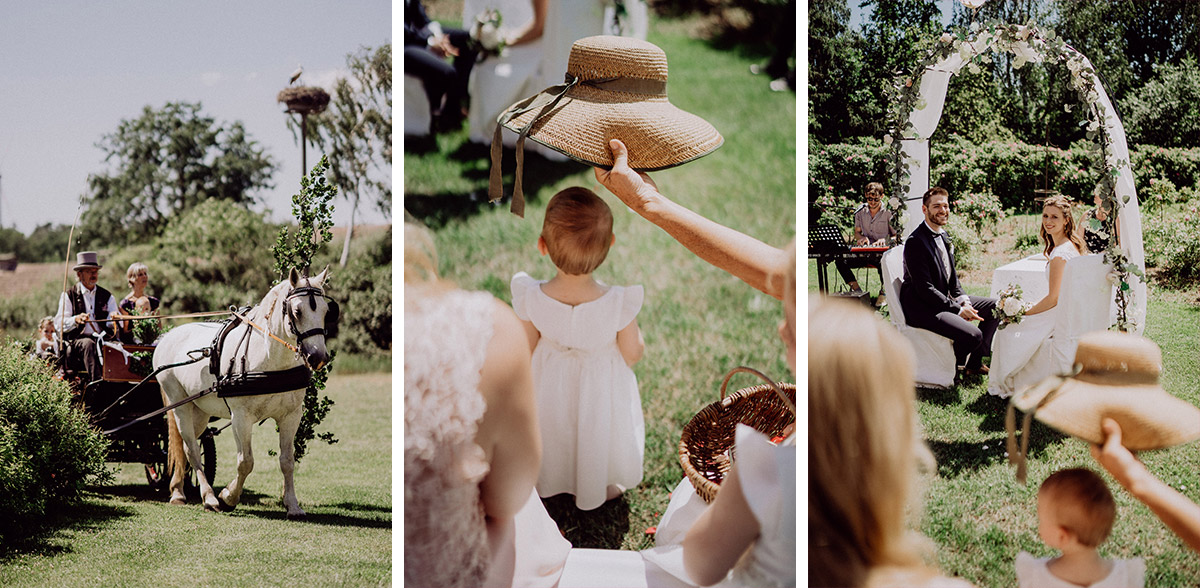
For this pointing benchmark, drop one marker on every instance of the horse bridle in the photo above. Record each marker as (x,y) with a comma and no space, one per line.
(328,329)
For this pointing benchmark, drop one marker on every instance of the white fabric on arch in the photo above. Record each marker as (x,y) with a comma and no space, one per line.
(1130,217)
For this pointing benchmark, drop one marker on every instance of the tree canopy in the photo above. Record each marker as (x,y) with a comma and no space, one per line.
(1136,47)
(166,162)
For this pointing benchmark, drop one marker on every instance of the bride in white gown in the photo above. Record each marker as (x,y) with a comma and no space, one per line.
(1015,345)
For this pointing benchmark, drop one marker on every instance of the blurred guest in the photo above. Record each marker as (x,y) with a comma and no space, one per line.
(46,341)
(426,45)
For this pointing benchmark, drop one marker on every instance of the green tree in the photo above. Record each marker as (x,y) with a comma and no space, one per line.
(896,35)
(1173,95)
(212,256)
(355,132)
(841,100)
(165,162)
(46,243)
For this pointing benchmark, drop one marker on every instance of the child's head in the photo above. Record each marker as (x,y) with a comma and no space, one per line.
(46,327)
(1075,501)
(577,231)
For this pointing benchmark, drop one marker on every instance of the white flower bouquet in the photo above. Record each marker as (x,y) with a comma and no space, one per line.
(1010,308)
(485,33)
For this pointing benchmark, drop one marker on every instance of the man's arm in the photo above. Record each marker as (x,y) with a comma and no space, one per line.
(860,238)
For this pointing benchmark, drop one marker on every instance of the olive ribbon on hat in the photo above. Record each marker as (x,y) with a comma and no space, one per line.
(546,100)
(1049,389)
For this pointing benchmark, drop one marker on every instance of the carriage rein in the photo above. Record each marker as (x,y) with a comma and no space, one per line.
(244,383)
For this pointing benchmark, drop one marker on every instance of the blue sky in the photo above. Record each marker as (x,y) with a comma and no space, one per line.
(72,70)
(857,14)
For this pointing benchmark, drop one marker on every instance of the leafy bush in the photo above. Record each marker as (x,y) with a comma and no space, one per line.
(978,211)
(844,169)
(19,316)
(1173,246)
(214,255)
(968,245)
(366,286)
(1180,166)
(48,451)
(1009,170)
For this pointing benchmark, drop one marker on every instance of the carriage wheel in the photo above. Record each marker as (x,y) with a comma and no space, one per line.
(159,477)
(208,460)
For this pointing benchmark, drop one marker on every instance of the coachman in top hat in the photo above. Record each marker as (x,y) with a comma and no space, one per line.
(78,308)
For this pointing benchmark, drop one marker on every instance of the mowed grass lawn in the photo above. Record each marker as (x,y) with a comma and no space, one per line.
(698,321)
(976,513)
(124,535)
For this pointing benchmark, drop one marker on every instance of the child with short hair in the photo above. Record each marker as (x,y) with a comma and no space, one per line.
(1075,515)
(44,347)
(585,340)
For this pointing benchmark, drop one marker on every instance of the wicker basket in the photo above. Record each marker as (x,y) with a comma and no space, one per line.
(706,446)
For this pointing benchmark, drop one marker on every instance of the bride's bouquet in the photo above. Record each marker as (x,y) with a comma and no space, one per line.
(485,33)
(1010,308)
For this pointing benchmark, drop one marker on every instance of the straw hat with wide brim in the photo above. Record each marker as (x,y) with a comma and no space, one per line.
(615,88)
(1117,378)
(658,134)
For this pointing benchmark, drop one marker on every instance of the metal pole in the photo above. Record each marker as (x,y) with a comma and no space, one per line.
(303,144)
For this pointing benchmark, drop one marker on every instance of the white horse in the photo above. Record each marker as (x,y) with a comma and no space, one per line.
(295,311)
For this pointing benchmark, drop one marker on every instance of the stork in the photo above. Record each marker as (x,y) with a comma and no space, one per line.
(296,74)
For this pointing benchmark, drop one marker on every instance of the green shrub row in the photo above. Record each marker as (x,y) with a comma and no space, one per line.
(1009,170)
(48,451)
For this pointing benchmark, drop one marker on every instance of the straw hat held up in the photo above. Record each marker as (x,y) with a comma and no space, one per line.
(615,88)
(1116,376)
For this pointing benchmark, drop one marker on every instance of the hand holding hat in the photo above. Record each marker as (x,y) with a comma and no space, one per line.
(1116,458)
(634,188)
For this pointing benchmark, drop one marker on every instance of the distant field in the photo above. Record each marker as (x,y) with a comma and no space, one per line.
(27,278)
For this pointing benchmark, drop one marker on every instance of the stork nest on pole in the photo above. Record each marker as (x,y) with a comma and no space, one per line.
(304,99)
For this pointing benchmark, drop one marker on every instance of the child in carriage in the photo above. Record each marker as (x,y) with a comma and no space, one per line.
(44,347)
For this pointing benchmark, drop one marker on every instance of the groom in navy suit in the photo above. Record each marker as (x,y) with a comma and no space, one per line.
(931,296)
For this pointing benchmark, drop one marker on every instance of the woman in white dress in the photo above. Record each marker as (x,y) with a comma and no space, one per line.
(471,443)
(1016,345)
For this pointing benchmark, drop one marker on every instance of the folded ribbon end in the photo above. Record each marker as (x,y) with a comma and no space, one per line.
(495,178)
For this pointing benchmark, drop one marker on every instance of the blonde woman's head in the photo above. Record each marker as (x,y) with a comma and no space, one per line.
(864,444)
(135,270)
(577,231)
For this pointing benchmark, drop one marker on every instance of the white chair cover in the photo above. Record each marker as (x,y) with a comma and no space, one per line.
(934,354)
(1085,307)
(417,117)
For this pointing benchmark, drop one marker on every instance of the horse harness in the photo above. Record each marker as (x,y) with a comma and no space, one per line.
(246,383)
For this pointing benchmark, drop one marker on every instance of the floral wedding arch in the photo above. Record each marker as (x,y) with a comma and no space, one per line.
(915,107)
